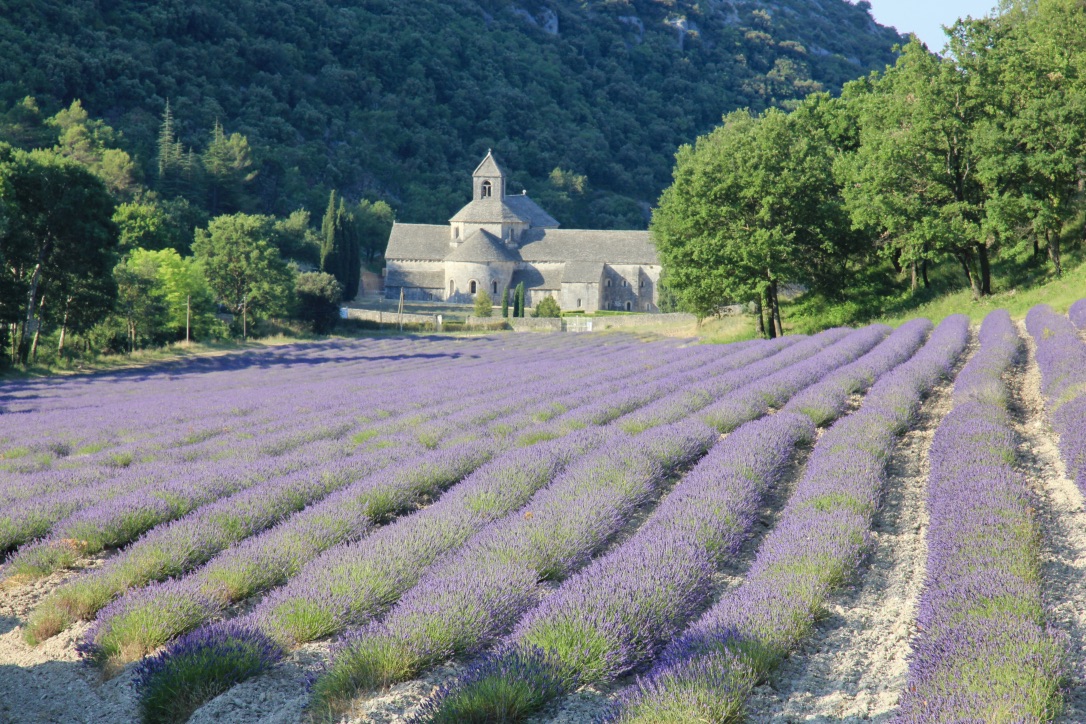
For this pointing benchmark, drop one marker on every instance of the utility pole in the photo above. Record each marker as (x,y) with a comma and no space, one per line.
(188,319)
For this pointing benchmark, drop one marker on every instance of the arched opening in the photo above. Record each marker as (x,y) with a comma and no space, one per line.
(472,286)
(494,288)
(623,283)
(452,288)
(578,304)
(486,190)
(642,285)
(628,307)
(608,282)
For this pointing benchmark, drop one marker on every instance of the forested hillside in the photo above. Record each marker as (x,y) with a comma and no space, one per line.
(396,100)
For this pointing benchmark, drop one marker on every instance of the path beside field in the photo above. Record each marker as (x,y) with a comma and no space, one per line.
(1062,516)
(48,683)
(854,666)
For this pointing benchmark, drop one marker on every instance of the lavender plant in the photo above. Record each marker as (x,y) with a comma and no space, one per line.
(1077,314)
(819,541)
(1061,357)
(982,651)
(619,611)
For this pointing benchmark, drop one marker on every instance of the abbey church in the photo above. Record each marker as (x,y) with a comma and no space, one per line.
(500,240)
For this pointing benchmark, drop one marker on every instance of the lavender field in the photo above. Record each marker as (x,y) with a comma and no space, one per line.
(864,524)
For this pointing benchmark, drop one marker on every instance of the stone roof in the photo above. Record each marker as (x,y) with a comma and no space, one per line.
(411,278)
(525,207)
(490,210)
(537,278)
(489,166)
(427,242)
(582,271)
(482,246)
(607,247)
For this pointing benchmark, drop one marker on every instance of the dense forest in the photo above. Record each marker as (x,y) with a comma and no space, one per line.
(968,166)
(586,102)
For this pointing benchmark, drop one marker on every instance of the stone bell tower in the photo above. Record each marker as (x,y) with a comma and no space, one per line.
(488,180)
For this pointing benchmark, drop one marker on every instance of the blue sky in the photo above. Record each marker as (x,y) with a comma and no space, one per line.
(924,17)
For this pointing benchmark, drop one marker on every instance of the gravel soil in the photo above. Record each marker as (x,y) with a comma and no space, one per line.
(48,683)
(854,666)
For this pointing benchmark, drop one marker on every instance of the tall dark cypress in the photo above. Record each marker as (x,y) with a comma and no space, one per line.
(328,236)
(518,301)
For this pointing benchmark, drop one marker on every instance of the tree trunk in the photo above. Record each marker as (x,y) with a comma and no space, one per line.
(771,331)
(63,328)
(1036,246)
(895,259)
(1053,242)
(31,300)
(924,273)
(970,275)
(912,274)
(761,319)
(37,332)
(985,270)
(776,308)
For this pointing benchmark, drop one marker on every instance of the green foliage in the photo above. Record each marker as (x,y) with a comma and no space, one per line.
(243,268)
(518,300)
(56,237)
(399,100)
(484,305)
(151,223)
(318,300)
(505,303)
(183,289)
(374,221)
(296,239)
(548,308)
(340,252)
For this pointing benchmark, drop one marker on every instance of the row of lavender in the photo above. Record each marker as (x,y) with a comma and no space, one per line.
(982,651)
(707,673)
(540,539)
(360,500)
(617,614)
(222,583)
(1061,357)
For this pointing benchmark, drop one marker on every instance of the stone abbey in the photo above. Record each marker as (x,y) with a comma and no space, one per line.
(500,240)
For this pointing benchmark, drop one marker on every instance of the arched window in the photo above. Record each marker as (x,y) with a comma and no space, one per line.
(452,287)
(627,306)
(472,286)
(608,282)
(456,232)
(578,304)
(642,283)
(623,283)
(493,287)
(486,189)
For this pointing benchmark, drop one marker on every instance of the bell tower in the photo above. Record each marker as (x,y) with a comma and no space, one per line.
(488,180)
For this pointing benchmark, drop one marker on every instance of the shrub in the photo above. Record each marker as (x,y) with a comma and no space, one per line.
(548,308)
(318,300)
(483,304)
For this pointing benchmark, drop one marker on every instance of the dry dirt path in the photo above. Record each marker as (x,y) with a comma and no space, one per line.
(48,683)
(854,665)
(1062,516)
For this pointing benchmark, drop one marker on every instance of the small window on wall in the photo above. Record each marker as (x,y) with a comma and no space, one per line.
(623,283)
(628,306)
(608,282)
(472,286)
(578,304)
(493,287)
(486,190)
(452,287)
(642,284)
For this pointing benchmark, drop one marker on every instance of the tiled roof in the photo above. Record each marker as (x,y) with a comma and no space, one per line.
(418,241)
(491,210)
(607,247)
(582,271)
(406,278)
(526,208)
(482,246)
(489,166)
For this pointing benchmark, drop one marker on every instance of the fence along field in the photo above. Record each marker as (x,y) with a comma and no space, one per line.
(519,519)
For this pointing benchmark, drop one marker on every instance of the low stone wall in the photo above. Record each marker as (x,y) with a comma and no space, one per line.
(599,324)
(536,324)
(391,317)
(494,323)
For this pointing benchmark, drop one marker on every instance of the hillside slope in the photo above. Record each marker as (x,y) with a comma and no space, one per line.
(396,99)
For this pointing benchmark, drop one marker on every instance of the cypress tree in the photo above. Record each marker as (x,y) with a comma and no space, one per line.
(328,235)
(505,302)
(341,255)
(518,301)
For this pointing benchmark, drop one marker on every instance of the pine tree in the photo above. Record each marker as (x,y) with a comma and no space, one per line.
(170,155)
